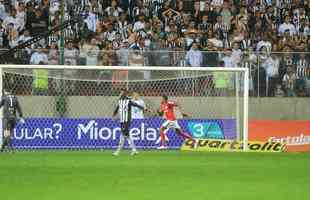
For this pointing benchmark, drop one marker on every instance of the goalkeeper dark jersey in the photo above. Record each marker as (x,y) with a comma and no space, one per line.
(11,107)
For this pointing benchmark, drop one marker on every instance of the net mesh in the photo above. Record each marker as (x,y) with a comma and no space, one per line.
(86,94)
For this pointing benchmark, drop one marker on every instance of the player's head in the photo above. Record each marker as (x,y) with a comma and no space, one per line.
(164,98)
(124,93)
(135,95)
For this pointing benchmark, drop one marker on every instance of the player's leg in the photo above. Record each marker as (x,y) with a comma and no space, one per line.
(183,134)
(121,141)
(120,145)
(180,132)
(6,134)
(130,140)
(6,139)
(12,124)
(162,134)
(4,143)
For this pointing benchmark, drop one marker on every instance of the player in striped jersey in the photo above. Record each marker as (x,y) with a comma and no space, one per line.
(124,108)
(11,107)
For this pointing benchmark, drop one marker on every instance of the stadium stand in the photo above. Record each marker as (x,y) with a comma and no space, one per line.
(271,37)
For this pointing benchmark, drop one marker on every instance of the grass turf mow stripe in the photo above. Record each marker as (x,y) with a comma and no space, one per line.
(153,175)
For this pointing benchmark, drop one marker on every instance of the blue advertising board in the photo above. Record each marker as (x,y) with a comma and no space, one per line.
(103,133)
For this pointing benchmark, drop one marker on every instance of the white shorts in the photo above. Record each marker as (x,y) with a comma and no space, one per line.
(171,124)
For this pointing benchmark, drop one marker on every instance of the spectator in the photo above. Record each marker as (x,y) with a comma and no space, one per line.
(228,60)
(190,38)
(305,28)
(217,41)
(53,56)
(92,53)
(110,34)
(122,26)
(278,91)
(71,54)
(289,81)
(114,10)
(135,57)
(12,34)
(91,20)
(12,19)
(37,23)
(264,42)
(287,26)
(21,15)
(140,24)
(3,36)
(226,13)
(271,66)
(3,13)
(236,54)
(194,57)
(122,53)
(303,65)
(38,56)
(285,61)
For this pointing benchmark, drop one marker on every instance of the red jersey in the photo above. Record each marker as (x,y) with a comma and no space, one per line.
(168,109)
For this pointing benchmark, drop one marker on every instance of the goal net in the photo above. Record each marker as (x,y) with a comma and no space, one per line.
(70,107)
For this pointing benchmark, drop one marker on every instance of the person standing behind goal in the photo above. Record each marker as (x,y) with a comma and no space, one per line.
(11,107)
(124,108)
(136,112)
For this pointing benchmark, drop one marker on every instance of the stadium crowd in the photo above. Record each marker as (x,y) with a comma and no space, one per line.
(271,37)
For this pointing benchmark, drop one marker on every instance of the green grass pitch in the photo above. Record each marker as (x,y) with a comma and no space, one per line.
(154,175)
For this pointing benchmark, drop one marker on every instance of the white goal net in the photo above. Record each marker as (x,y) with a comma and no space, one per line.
(70,107)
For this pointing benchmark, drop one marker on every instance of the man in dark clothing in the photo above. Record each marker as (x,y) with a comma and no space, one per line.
(11,108)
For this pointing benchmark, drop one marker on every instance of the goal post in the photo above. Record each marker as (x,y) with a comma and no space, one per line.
(76,102)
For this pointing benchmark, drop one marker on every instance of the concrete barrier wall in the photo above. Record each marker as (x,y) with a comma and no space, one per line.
(212,107)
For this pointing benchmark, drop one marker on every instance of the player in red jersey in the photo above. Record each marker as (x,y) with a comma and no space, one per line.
(167,110)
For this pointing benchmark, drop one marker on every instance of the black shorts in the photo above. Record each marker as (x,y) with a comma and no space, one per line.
(9,123)
(125,126)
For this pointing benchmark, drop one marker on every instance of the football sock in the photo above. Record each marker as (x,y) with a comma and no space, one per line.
(9,143)
(185,135)
(162,138)
(121,143)
(4,144)
(131,144)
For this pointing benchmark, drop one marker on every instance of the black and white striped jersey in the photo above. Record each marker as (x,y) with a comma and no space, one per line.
(124,109)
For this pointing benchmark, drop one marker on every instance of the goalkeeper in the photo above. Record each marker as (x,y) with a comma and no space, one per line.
(11,108)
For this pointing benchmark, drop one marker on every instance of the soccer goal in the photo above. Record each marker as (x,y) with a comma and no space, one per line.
(70,107)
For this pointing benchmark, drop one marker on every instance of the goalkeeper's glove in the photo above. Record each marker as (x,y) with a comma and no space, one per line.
(22,120)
